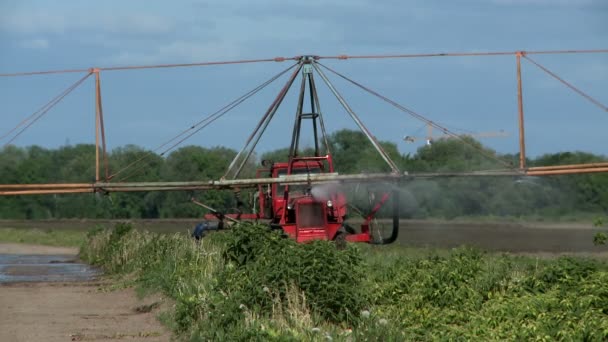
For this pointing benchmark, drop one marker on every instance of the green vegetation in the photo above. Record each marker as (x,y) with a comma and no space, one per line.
(252,284)
(49,237)
(599,238)
(560,197)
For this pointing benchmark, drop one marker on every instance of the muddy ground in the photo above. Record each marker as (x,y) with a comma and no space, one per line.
(517,237)
(75,310)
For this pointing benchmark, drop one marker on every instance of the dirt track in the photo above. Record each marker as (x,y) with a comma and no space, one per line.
(73,311)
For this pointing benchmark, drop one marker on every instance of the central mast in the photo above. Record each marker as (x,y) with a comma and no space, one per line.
(314,115)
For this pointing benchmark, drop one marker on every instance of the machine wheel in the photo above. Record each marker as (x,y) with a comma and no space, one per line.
(348,229)
(340,240)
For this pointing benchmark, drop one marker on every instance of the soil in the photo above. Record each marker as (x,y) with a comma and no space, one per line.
(530,238)
(75,310)
(19,248)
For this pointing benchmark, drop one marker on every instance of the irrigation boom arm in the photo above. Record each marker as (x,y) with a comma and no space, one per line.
(307,64)
(37,189)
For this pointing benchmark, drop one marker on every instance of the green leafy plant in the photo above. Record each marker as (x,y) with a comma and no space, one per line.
(600,239)
(251,283)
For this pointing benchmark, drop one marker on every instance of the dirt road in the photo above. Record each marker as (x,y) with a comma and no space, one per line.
(72,311)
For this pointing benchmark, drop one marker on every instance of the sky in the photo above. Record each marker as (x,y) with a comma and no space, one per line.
(464,94)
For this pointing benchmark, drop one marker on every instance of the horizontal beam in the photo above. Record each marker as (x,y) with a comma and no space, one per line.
(569,166)
(47,186)
(67,188)
(464,54)
(566,171)
(45,192)
(32,189)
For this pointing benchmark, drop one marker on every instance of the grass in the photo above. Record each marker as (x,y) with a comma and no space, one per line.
(248,285)
(48,237)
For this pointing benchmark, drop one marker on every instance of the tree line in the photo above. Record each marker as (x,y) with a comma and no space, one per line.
(547,197)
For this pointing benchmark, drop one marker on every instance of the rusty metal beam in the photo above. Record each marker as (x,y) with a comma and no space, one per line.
(45,186)
(97,109)
(568,166)
(99,129)
(45,192)
(520,109)
(566,171)
(65,188)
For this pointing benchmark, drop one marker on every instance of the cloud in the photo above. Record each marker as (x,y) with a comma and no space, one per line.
(178,51)
(38,21)
(38,43)
(551,3)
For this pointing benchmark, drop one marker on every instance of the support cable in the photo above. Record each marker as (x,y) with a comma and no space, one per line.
(157,66)
(198,126)
(37,115)
(318,105)
(282,59)
(272,113)
(356,119)
(418,116)
(262,125)
(567,84)
(463,54)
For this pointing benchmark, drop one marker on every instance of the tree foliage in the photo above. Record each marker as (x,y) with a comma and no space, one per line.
(549,197)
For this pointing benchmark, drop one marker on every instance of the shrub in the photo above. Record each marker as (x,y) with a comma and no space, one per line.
(262,265)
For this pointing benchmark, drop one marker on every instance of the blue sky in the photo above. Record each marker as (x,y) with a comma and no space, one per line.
(147,107)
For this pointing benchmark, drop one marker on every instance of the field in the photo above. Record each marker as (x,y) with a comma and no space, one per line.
(248,284)
(251,284)
(515,236)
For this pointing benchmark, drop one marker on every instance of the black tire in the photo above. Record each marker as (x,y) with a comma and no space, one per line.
(340,240)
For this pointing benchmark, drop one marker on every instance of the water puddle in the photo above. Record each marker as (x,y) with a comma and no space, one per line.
(43,268)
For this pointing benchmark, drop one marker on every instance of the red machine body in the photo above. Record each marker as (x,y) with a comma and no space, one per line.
(305,211)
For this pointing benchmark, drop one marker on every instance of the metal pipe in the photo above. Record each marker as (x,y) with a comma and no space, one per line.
(33,189)
(462,54)
(318,105)
(312,110)
(520,107)
(44,192)
(45,186)
(505,173)
(295,136)
(96,126)
(354,116)
(566,171)
(213,210)
(102,127)
(567,166)
(226,183)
